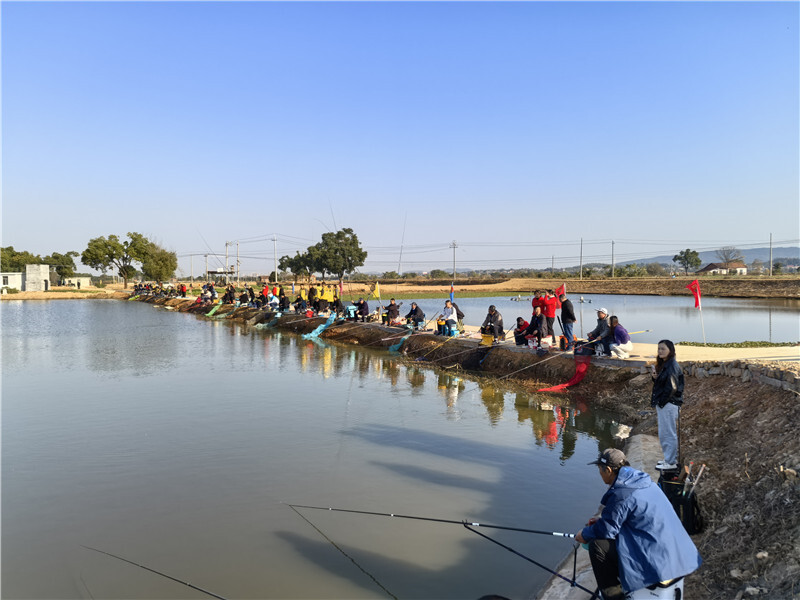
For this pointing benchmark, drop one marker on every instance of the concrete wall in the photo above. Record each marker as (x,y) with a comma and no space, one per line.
(78,282)
(37,278)
(11,280)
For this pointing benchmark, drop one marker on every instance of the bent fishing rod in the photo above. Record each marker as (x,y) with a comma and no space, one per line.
(431,519)
(146,568)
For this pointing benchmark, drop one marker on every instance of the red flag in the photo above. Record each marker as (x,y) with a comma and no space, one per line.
(562,289)
(695,287)
(341,289)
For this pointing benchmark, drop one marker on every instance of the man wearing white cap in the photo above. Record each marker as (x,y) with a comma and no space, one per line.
(601,332)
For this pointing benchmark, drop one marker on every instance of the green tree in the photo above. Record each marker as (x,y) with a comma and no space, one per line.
(64,263)
(390,275)
(777,268)
(299,264)
(439,274)
(338,253)
(104,253)
(655,269)
(159,264)
(12,261)
(688,259)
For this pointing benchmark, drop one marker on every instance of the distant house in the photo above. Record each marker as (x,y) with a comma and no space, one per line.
(36,278)
(733,268)
(78,281)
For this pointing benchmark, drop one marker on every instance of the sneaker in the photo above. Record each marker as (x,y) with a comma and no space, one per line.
(666,467)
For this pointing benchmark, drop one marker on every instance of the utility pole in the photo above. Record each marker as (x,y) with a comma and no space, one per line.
(770,255)
(612,259)
(226,262)
(553,266)
(237,262)
(206,276)
(454,245)
(581,267)
(191,268)
(275,251)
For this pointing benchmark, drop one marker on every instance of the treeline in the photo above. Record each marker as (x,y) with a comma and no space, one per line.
(13,261)
(131,257)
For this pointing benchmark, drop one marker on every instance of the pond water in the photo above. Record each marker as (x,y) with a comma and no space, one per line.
(176,443)
(669,317)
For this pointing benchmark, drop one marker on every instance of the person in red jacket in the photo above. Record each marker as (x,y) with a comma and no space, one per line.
(550,304)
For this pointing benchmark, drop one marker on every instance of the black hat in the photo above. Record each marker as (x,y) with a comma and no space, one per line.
(611,457)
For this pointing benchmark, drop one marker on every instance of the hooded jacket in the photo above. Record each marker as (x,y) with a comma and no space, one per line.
(652,544)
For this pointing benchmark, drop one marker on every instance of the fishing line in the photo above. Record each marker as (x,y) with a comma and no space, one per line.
(186,583)
(572,582)
(360,568)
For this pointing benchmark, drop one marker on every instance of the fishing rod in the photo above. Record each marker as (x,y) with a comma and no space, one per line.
(146,568)
(431,519)
(572,581)
(335,545)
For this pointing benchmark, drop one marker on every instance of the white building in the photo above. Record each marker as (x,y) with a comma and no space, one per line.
(36,278)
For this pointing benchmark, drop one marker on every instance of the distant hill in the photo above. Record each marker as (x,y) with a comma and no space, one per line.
(750,254)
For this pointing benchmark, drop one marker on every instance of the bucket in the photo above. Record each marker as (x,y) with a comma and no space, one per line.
(487,339)
(671,591)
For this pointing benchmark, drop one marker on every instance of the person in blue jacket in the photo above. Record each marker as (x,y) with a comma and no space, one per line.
(638,539)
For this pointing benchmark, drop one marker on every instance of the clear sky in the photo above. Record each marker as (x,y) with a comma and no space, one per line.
(513,128)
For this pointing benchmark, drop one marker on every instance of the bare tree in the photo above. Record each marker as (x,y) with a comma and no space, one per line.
(728,255)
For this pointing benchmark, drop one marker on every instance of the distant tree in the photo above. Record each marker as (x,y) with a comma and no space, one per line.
(410,275)
(104,253)
(12,261)
(655,269)
(688,259)
(338,253)
(159,264)
(299,264)
(390,275)
(757,266)
(439,274)
(728,255)
(777,268)
(64,263)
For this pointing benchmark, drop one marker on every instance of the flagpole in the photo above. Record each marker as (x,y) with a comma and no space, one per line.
(702,326)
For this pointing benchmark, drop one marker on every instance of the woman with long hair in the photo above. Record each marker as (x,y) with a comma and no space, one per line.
(621,344)
(667,397)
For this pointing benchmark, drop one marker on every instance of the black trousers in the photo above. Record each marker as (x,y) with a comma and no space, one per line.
(605,564)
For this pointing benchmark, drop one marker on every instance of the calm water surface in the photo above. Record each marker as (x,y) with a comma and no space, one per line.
(176,442)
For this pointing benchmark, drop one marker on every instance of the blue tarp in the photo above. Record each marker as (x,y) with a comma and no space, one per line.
(320,329)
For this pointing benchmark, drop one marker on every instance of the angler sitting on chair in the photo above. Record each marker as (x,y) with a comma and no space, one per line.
(638,541)
(392,313)
(493,324)
(415,316)
(448,321)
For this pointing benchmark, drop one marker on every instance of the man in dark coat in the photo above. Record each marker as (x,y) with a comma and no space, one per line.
(567,321)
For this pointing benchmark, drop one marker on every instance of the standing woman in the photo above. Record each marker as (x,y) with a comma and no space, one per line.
(667,398)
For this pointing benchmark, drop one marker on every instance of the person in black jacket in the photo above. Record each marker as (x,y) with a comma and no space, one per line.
(392,312)
(415,315)
(667,397)
(567,321)
(493,323)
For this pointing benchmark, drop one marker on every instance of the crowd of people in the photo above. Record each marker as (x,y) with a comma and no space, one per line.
(608,338)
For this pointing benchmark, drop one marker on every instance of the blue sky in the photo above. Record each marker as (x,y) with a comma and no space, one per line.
(514,128)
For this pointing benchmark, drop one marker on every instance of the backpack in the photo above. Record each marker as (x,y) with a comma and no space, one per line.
(686,506)
(459,314)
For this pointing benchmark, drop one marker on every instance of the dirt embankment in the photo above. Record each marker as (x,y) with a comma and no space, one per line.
(746,433)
